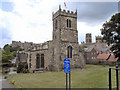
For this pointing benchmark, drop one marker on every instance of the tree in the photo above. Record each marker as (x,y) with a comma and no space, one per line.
(8,54)
(111,33)
(6,58)
(82,47)
(7,48)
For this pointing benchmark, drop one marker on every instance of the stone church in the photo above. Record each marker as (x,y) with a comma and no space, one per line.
(64,44)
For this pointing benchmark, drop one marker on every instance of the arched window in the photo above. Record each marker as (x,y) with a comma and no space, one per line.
(42,60)
(37,61)
(56,25)
(69,52)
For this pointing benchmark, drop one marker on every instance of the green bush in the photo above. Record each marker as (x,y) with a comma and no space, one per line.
(12,82)
(22,68)
(25,71)
(14,69)
(5,70)
(5,77)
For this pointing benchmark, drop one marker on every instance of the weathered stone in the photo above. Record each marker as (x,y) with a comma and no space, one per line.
(65,35)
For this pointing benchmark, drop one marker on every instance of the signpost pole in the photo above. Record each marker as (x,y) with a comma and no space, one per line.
(66,81)
(67,70)
(69,81)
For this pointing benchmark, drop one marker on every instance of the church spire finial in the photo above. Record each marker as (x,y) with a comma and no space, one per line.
(76,11)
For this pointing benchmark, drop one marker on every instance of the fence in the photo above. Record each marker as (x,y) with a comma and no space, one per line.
(117,78)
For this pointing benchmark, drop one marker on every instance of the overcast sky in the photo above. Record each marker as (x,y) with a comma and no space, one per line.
(31,20)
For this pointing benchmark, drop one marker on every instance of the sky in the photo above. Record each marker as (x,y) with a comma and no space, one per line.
(31,20)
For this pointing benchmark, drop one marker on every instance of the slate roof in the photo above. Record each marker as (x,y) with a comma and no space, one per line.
(88,49)
(101,49)
(98,48)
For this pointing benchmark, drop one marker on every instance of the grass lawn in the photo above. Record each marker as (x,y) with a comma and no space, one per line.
(94,76)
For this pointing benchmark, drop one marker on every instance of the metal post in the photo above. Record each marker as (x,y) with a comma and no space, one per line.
(66,81)
(117,82)
(69,81)
(110,85)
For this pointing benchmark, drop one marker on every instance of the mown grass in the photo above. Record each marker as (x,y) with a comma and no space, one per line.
(94,76)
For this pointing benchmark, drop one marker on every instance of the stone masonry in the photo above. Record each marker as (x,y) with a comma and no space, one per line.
(64,44)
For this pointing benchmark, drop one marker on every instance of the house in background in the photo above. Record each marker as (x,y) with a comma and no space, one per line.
(108,59)
(112,58)
(92,51)
(90,55)
(103,57)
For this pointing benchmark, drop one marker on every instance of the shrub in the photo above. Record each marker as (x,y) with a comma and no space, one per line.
(22,68)
(12,82)
(14,69)
(25,70)
(5,77)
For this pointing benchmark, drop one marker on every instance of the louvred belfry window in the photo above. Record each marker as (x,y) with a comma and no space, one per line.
(68,23)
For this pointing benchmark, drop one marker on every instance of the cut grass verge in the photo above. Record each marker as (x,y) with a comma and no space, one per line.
(94,76)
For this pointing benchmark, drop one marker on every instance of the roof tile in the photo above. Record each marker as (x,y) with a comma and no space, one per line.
(103,56)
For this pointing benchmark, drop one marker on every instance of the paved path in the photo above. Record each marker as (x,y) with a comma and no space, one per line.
(4,82)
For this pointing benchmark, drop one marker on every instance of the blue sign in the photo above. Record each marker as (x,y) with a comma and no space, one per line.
(66,65)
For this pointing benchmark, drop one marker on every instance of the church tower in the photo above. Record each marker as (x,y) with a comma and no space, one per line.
(65,38)
(65,26)
(88,38)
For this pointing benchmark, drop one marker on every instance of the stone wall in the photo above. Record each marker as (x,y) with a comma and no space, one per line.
(66,36)
(55,51)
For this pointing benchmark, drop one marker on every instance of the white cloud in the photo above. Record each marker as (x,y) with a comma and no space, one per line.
(31,20)
(83,28)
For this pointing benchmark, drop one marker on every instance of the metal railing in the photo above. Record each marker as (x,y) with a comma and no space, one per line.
(117,77)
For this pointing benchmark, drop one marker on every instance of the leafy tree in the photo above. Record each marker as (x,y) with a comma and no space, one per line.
(81,47)
(6,58)
(12,49)
(22,68)
(7,48)
(111,33)
(8,54)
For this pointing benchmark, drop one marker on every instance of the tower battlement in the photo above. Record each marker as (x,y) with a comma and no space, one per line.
(88,38)
(64,13)
(98,36)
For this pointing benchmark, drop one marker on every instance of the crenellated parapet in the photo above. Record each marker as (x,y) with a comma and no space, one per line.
(99,37)
(64,13)
(88,38)
(40,46)
(30,45)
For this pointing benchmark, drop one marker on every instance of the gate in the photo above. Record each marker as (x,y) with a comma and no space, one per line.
(117,78)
